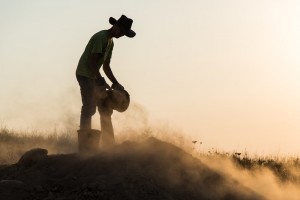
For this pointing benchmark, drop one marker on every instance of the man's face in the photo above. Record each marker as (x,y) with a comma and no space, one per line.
(119,31)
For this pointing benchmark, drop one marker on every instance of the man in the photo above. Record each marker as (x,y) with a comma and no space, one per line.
(93,87)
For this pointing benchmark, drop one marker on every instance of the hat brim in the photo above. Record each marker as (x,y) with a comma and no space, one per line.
(129,33)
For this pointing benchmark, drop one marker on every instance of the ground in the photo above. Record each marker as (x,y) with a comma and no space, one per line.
(152,169)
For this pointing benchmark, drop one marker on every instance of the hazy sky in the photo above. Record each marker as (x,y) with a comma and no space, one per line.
(226,72)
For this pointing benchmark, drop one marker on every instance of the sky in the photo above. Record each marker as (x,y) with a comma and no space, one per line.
(226,73)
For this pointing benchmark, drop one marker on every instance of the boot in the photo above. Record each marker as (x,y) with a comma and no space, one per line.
(88,141)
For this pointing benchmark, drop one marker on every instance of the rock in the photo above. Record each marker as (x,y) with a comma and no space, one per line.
(32,156)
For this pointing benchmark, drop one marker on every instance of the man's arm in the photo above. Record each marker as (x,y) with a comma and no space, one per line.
(108,72)
(110,75)
(93,64)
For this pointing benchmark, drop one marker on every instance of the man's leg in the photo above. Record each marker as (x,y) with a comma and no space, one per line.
(107,130)
(88,109)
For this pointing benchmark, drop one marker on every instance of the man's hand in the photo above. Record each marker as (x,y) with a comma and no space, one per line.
(117,86)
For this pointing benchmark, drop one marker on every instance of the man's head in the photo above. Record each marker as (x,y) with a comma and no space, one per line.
(121,27)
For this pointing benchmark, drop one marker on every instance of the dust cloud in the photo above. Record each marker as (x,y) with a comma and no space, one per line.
(261,180)
(133,127)
(45,111)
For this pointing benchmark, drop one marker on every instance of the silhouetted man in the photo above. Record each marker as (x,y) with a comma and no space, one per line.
(93,87)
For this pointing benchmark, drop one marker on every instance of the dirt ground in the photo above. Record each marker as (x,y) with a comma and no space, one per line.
(148,170)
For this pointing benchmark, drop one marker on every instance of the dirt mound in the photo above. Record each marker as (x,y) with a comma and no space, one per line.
(149,170)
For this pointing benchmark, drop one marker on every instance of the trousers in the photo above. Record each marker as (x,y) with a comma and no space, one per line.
(93,95)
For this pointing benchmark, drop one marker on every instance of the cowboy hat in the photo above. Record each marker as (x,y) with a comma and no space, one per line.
(125,23)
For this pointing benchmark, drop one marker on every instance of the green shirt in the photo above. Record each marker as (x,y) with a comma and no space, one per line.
(99,43)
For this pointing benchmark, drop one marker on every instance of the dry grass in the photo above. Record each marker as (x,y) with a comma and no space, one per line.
(13,144)
(285,169)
